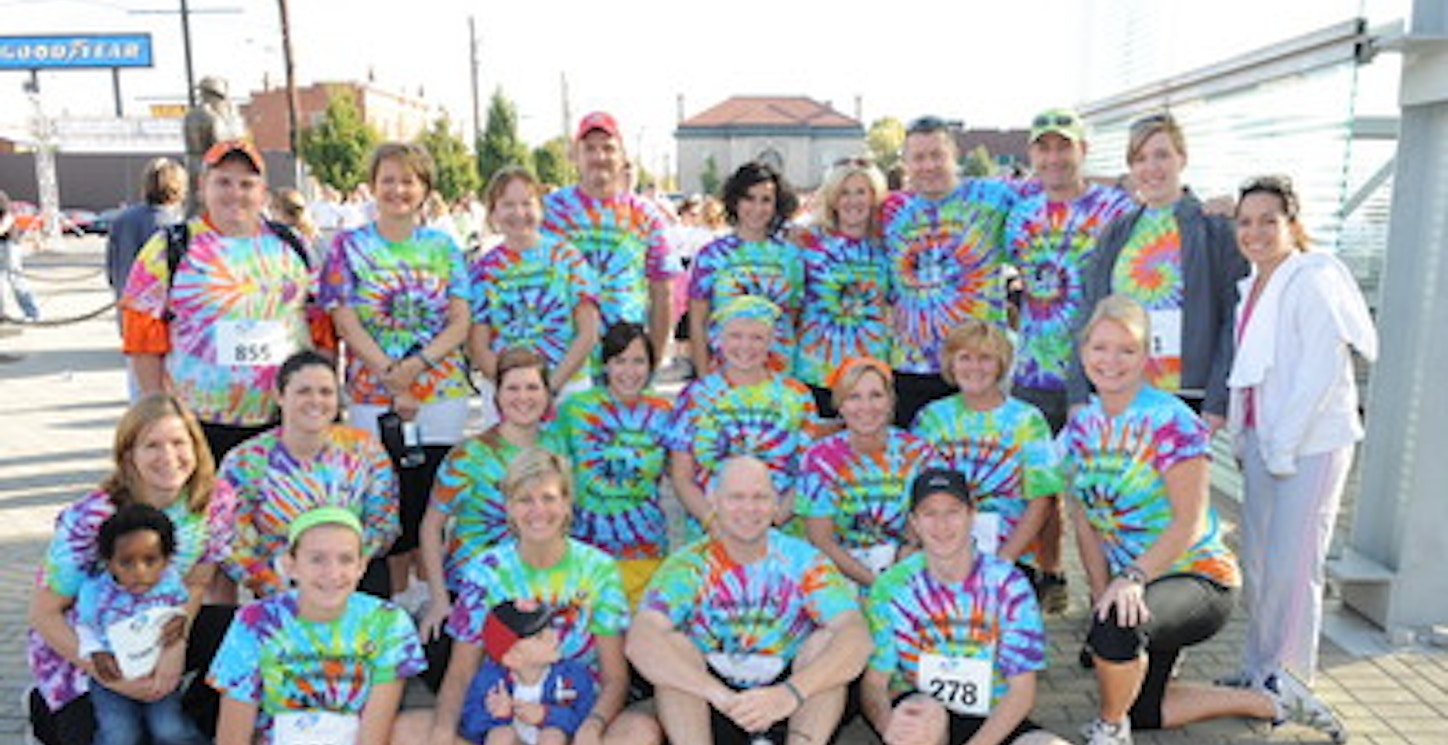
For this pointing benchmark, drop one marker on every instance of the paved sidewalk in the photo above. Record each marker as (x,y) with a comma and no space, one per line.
(60,400)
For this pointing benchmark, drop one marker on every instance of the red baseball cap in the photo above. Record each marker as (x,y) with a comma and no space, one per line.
(221,150)
(601,120)
(510,621)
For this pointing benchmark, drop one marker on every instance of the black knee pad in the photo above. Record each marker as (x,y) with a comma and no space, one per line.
(1114,643)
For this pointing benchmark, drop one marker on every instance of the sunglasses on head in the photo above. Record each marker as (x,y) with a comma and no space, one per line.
(1152,120)
(1054,120)
(926,125)
(855,162)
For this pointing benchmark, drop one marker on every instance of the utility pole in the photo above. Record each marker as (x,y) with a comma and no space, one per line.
(186,45)
(567,108)
(291,78)
(473,71)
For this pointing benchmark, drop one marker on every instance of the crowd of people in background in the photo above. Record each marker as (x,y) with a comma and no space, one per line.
(386,437)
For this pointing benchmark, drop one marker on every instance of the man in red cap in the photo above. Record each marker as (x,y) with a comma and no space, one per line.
(621,234)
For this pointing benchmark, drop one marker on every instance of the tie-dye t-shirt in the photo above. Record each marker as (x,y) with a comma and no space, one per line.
(773,420)
(846,309)
(619,457)
(103,601)
(993,611)
(283,663)
(467,489)
(400,292)
(273,488)
(772,269)
(527,297)
(1006,454)
(1052,243)
(1149,271)
(764,607)
(1120,462)
(584,587)
(622,237)
(867,495)
(947,257)
(74,556)
(237,308)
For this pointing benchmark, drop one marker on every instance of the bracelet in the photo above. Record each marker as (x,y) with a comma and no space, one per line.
(602,723)
(1133,573)
(798,697)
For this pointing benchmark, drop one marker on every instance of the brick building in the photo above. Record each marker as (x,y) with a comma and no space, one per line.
(395,116)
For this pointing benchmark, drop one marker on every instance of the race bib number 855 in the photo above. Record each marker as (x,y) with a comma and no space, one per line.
(252,343)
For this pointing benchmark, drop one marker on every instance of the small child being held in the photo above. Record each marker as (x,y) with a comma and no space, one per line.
(523,692)
(125,616)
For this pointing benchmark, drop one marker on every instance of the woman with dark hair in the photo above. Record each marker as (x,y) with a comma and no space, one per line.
(615,437)
(754,260)
(161,459)
(308,461)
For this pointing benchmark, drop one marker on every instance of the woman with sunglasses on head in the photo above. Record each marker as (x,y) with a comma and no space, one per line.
(1294,419)
(1180,263)
(846,308)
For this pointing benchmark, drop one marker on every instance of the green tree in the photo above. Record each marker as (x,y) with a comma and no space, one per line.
(337,149)
(978,163)
(457,171)
(553,164)
(709,180)
(501,145)
(885,138)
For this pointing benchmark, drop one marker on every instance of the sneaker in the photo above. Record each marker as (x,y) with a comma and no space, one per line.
(1296,703)
(1052,593)
(414,599)
(1102,732)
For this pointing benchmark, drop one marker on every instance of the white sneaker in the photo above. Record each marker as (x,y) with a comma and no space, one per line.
(1102,732)
(413,599)
(1297,703)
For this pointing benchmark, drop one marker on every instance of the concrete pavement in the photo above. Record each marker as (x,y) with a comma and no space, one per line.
(62,389)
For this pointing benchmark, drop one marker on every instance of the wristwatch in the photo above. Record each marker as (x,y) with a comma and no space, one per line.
(1133,573)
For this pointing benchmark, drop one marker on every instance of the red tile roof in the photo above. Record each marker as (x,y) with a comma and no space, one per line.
(755,111)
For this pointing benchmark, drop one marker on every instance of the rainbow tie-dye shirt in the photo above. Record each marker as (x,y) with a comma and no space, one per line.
(772,269)
(1120,465)
(283,663)
(584,587)
(400,292)
(1006,455)
(867,495)
(947,256)
(993,611)
(622,238)
(273,488)
(1052,243)
(766,607)
(619,457)
(846,308)
(222,288)
(527,297)
(467,490)
(1149,271)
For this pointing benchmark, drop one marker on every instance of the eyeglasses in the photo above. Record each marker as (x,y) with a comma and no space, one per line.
(1054,120)
(926,125)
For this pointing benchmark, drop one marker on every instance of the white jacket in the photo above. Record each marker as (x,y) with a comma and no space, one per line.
(1296,352)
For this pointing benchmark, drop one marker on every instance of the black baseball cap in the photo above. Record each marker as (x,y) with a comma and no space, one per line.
(940,480)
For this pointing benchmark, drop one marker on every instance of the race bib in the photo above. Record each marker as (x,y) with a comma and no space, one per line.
(136,641)
(1166,334)
(876,558)
(987,532)
(252,343)
(746,669)
(962,684)
(315,728)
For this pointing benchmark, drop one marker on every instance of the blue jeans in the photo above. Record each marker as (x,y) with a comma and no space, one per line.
(125,721)
(10,274)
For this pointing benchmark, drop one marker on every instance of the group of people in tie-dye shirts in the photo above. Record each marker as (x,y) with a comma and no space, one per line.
(870,462)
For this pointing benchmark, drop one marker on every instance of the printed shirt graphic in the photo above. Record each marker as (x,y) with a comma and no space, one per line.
(765,607)
(946,256)
(771,269)
(1149,271)
(912,613)
(103,602)
(584,587)
(527,297)
(1006,454)
(619,457)
(400,292)
(1119,462)
(74,556)
(467,490)
(220,284)
(273,488)
(622,238)
(1052,243)
(867,495)
(274,658)
(773,420)
(846,309)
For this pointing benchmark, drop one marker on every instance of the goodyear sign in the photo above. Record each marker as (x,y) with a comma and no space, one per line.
(60,52)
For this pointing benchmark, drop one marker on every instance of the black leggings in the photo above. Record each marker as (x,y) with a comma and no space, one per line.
(415,488)
(1185,609)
